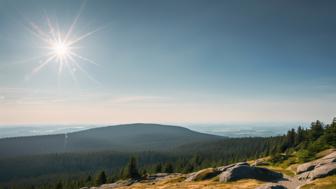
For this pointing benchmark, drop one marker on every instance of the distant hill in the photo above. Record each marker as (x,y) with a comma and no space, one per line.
(131,137)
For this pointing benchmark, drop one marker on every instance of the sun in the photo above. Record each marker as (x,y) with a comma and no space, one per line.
(60,49)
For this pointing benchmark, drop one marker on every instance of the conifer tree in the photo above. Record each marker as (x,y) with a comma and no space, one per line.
(132,169)
(169,168)
(101,178)
(59,185)
(158,168)
(299,135)
(316,130)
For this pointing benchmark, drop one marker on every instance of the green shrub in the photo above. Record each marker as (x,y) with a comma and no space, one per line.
(305,155)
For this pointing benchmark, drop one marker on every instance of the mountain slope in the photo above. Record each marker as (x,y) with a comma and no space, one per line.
(131,137)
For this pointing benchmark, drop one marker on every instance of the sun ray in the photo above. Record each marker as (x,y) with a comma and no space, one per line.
(83,58)
(85,36)
(75,21)
(61,46)
(37,69)
(72,73)
(51,28)
(37,34)
(83,70)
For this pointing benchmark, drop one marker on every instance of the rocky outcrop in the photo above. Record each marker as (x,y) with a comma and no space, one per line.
(318,169)
(161,176)
(260,162)
(305,167)
(117,184)
(156,176)
(320,162)
(203,174)
(271,186)
(245,171)
(323,171)
(234,172)
(224,168)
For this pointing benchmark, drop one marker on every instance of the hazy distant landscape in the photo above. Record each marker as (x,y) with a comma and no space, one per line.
(228,130)
(33,130)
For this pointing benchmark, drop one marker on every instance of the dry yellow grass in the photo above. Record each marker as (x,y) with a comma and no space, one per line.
(323,183)
(178,184)
(293,167)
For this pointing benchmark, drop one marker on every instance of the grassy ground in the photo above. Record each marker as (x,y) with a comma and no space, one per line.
(323,183)
(243,184)
(285,171)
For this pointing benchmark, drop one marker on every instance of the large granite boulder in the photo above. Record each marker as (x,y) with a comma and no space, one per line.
(320,162)
(317,169)
(236,173)
(305,167)
(117,184)
(323,171)
(224,168)
(156,176)
(260,162)
(244,171)
(304,176)
(271,186)
(203,174)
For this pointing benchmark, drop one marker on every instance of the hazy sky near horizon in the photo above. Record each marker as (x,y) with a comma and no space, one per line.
(173,61)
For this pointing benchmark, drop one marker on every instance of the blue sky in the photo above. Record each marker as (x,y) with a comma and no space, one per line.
(172,62)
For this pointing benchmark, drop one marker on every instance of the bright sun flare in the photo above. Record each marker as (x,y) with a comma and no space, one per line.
(61,47)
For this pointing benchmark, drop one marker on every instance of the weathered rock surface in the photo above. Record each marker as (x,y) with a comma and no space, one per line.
(271,186)
(243,171)
(203,174)
(305,167)
(211,172)
(224,168)
(311,165)
(323,171)
(117,184)
(318,169)
(156,176)
(304,176)
(260,162)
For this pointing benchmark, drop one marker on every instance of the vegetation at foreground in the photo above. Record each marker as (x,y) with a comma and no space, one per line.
(303,145)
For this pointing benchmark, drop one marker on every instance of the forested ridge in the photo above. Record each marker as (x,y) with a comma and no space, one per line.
(74,170)
(126,138)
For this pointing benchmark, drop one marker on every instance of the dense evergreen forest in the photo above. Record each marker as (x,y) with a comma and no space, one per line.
(74,170)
